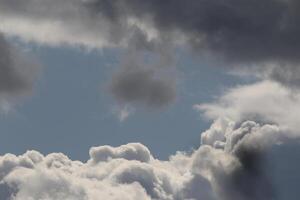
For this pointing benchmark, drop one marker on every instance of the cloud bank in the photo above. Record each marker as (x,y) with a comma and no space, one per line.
(131,172)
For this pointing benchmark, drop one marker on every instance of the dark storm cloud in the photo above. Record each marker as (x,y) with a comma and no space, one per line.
(237,30)
(287,74)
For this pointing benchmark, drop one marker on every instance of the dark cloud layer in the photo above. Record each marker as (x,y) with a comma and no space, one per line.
(264,33)
(240,32)
(237,30)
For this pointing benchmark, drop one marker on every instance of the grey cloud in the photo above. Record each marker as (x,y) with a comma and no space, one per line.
(287,74)
(96,25)
(16,71)
(242,31)
(138,84)
(238,32)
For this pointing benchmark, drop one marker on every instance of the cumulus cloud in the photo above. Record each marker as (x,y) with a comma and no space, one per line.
(233,172)
(264,101)
(249,121)
(133,151)
(244,176)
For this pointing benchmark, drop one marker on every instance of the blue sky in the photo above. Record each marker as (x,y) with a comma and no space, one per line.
(70,109)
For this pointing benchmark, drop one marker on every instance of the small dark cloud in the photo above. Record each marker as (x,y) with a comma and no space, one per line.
(134,84)
(17,72)
(10,80)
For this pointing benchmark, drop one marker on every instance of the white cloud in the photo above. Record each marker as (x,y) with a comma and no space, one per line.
(72,22)
(130,172)
(265,102)
(123,112)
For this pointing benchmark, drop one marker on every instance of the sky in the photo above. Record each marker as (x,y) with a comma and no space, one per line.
(149,100)
(69,109)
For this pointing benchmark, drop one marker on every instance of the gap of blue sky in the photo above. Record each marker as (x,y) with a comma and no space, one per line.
(70,109)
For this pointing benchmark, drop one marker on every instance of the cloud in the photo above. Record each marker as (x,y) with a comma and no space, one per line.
(18,72)
(248,120)
(234,172)
(241,173)
(238,31)
(132,151)
(265,101)
(76,22)
(259,33)
(137,84)
(123,112)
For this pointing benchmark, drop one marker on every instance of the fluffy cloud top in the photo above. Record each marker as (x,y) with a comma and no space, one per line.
(130,172)
(263,101)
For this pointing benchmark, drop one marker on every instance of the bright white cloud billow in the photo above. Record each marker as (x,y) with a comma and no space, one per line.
(265,101)
(130,172)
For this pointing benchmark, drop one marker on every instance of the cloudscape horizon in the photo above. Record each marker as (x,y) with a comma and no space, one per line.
(149,99)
